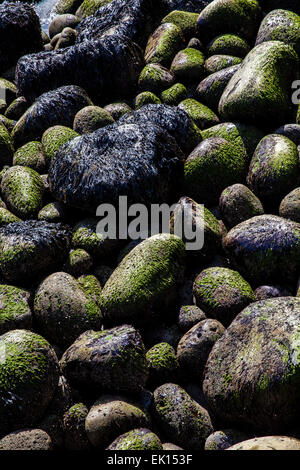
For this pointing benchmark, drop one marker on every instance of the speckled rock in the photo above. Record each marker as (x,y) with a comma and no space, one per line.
(15,312)
(31,156)
(238,203)
(7,217)
(219,62)
(221,440)
(291,131)
(27,439)
(79,262)
(269,292)
(137,439)
(290,206)
(117,110)
(52,212)
(162,364)
(189,316)
(268,443)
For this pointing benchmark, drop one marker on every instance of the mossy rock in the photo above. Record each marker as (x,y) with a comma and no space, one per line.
(6,217)
(174,95)
(89,7)
(144,98)
(188,65)
(146,280)
(218,62)
(269,292)
(241,17)
(202,115)
(91,286)
(117,110)
(228,44)
(52,212)
(9,124)
(27,440)
(53,138)
(180,417)
(164,44)
(91,118)
(79,262)
(31,156)
(111,415)
(16,108)
(290,206)
(67,6)
(291,131)
(155,78)
(211,167)
(185,20)
(109,360)
(210,90)
(75,437)
(8,90)
(6,147)
(222,293)
(252,374)
(238,203)
(265,248)
(189,316)
(28,379)
(137,439)
(22,190)
(260,91)
(280,25)
(162,364)
(15,311)
(223,439)
(274,169)
(63,310)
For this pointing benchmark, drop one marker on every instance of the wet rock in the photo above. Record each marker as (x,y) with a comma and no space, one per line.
(155,78)
(60,22)
(221,440)
(53,138)
(6,147)
(91,118)
(31,156)
(52,212)
(216,63)
(117,110)
(15,311)
(6,217)
(8,89)
(75,437)
(27,439)
(89,7)
(228,44)
(290,206)
(66,39)
(174,95)
(79,262)
(67,6)
(237,204)
(186,21)
(189,316)
(137,439)
(162,364)
(188,65)
(163,44)
(144,98)
(201,114)
(91,286)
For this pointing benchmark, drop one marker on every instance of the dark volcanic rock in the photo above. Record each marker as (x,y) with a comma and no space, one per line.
(20,33)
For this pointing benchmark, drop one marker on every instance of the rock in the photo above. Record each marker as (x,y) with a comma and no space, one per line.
(67,6)
(57,107)
(228,44)
(201,114)
(52,425)
(22,190)
(89,360)
(221,440)
(222,293)
(102,273)
(189,316)
(9,124)
(274,169)
(207,177)
(137,439)
(20,33)
(194,347)
(91,286)
(257,358)
(6,147)
(29,376)
(64,395)
(15,311)
(75,437)
(144,98)
(8,90)
(180,417)
(27,439)
(111,415)
(6,217)
(146,281)
(188,65)
(186,21)
(63,311)
(91,118)
(163,44)
(66,39)
(32,248)
(280,25)
(53,138)
(229,16)
(195,43)
(78,263)
(291,131)
(255,94)
(216,63)
(174,95)
(52,212)
(89,7)
(210,90)
(117,110)
(268,292)
(268,443)
(30,155)
(237,204)
(170,446)
(290,206)
(155,78)
(54,41)
(60,22)
(162,364)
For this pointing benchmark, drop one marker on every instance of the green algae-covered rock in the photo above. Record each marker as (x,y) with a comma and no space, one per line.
(260,91)
(89,7)
(237,204)
(211,167)
(6,217)
(210,90)
(111,415)
(28,379)
(31,155)
(180,417)
(164,44)
(222,293)
(201,114)
(265,248)
(75,437)
(252,374)
(146,97)
(91,118)
(155,78)
(188,65)
(137,439)
(241,17)
(280,25)
(6,147)
(9,124)
(109,360)
(15,312)
(8,89)
(67,6)
(52,212)
(91,286)
(162,364)
(117,110)
(79,262)
(189,316)
(218,62)
(228,44)
(53,138)
(194,347)
(268,443)
(146,280)
(17,108)
(290,206)
(22,191)
(185,20)
(222,440)
(172,96)
(274,169)
(63,311)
